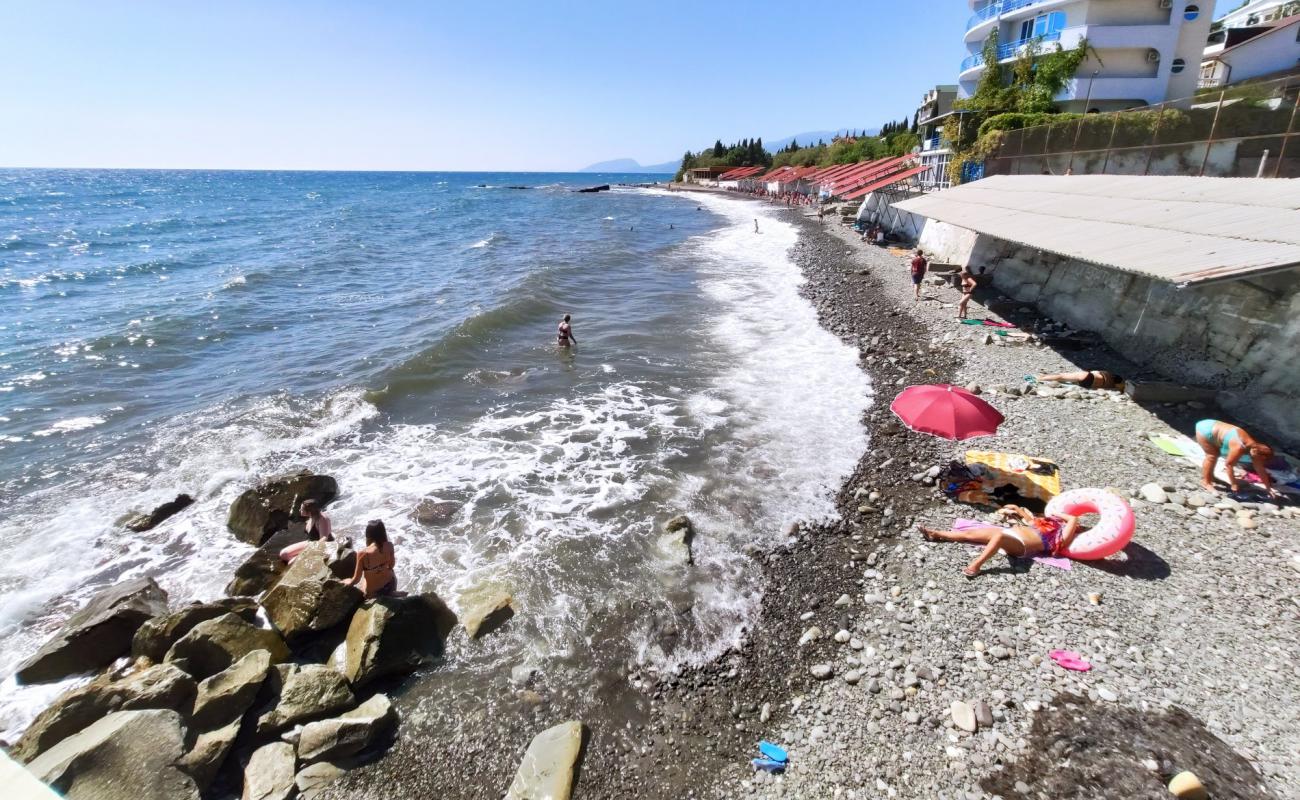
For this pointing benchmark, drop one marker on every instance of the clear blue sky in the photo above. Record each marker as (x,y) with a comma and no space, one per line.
(451,86)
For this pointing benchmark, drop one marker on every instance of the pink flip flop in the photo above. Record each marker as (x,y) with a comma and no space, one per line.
(1070,660)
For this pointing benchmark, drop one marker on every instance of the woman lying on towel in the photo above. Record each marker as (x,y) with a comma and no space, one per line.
(1090,379)
(1026,536)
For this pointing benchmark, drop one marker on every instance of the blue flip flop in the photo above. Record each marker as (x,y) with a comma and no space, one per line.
(773,752)
(768,765)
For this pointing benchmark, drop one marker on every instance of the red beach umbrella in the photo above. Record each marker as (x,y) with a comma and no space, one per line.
(947,411)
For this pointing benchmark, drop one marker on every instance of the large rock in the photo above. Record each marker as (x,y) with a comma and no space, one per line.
(679,533)
(263,510)
(156,636)
(98,634)
(160,686)
(269,774)
(312,778)
(225,697)
(308,598)
(434,512)
(143,522)
(128,755)
(348,734)
(295,694)
(546,772)
(261,569)
(483,611)
(212,646)
(208,753)
(394,635)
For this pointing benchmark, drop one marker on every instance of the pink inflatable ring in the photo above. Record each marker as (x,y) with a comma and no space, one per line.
(1111,533)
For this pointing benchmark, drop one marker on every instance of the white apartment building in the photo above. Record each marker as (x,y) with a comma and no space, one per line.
(1258,12)
(1146,51)
(934,111)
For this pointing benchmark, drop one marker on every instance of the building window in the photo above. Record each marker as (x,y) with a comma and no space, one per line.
(1191,13)
(1177,66)
(1042,25)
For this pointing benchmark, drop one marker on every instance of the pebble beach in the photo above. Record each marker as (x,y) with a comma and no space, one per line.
(884,672)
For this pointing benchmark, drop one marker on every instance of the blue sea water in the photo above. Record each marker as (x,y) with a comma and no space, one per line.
(188,331)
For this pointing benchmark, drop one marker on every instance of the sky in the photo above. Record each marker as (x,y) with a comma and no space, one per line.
(485,85)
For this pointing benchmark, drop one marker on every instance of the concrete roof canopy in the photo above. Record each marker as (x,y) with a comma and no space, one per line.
(1179,229)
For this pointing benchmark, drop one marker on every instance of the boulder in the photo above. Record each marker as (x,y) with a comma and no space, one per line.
(434,512)
(1154,493)
(98,634)
(308,598)
(293,695)
(269,774)
(161,686)
(265,509)
(679,532)
(127,755)
(143,522)
(261,569)
(547,769)
(394,635)
(312,778)
(225,697)
(156,636)
(208,753)
(487,611)
(214,645)
(349,733)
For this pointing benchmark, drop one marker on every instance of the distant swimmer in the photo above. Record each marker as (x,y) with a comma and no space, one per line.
(565,333)
(755,226)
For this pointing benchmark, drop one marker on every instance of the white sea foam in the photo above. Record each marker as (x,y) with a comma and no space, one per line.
(70,425)
(238,280)
(483,242)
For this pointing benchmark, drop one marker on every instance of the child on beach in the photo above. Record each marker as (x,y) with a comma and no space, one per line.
(919,266)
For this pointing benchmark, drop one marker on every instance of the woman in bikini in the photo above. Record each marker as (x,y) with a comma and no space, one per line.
(374,574)
(1234,445)
(565,333)
(318,529)
(1090,379)
(1033,536)
(968,285)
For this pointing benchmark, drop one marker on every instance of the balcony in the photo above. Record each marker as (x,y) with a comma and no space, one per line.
(997,9)
(1008,50)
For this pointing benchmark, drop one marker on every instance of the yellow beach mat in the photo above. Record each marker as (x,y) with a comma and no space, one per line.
(1018,471)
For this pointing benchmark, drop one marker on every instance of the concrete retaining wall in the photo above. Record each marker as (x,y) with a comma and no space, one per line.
(1242,337)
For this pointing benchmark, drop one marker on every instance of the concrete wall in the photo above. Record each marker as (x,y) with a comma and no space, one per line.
(1241,337)
(1125,12)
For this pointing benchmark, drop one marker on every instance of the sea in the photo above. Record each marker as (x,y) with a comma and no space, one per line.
(192,331)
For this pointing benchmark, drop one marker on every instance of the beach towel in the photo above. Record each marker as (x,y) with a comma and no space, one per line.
(988,323)
(1045,560)
(1033,477)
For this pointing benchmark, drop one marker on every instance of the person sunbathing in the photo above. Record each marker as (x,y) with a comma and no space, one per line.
(1031,537)
(1234,445)
(1090,379)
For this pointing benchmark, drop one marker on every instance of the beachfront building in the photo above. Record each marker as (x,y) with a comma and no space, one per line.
(1145,51)
(1258,12)
(1261,51)
(934,111)
(705,176)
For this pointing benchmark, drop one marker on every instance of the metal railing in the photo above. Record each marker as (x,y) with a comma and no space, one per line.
(1249,130)
(1010,49)
(993,10)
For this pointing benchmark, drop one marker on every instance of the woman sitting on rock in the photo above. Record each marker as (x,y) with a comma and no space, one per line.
(1034,536)
(318,529)
(374,575)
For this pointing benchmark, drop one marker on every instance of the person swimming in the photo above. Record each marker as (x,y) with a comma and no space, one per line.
(564,333)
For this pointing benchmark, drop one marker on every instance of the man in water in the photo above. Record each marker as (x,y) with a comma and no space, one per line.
(565,333)
(755,226)
(919,266)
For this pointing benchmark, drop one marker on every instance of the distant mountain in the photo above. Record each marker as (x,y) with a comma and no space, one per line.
(627,165)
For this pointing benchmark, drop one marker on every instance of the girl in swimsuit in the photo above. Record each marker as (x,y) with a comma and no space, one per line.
(565,333)
(1034,536)
(318,529)
(968,285)
(1092,379)
(374,574)
(1233,445)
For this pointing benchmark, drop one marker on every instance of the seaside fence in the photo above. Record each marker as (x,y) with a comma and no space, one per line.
(1251,130)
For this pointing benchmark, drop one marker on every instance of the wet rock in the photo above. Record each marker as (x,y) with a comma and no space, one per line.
(143,522)
(393,636)
(265,509)
(308,598)
(270,773)
(225,697)
(214,645)
(156,636)
(127,755)
(963,716)
(161,686)
(547,769)
(98,634)
(434,512)
(312,778)
(347,734)
(487,612)
(679,533)
(208,753)
(261,569)
(1153,493)
(295,694)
